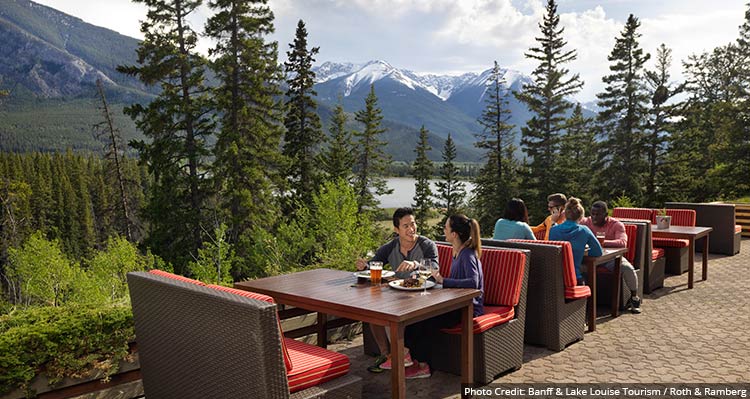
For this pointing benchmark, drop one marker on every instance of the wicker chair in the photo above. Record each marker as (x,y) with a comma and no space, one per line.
(726,237)
(196,341)
(499,333)
(636,257)
(552,320)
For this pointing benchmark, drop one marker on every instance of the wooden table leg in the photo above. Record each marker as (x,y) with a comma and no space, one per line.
(322,330)
(617,275)
(398,373)
(705,258)
(467,344)
(591,282)
(691,260)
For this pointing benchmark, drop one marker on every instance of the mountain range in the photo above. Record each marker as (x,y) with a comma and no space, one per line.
(49,61)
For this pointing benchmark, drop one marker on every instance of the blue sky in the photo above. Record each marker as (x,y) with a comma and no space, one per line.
(455,36)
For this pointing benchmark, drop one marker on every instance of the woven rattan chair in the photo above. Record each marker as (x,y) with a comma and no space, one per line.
(636,256)
(551,319)
(198,342)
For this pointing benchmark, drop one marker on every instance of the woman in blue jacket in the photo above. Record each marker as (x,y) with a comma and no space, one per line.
(578,236)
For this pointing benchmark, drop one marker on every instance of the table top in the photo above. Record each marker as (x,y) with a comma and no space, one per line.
(608,254)
(340,293)
(693,231)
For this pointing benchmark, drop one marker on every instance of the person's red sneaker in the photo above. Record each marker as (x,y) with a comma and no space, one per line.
(419,370)
(407,361)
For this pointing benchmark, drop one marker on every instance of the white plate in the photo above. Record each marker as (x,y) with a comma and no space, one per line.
(397,285)
(366,274)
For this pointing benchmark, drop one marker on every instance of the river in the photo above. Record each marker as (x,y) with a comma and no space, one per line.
(403,192)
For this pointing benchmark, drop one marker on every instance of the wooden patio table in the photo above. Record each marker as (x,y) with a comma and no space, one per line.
(691,234)
(339,293)
(591,263)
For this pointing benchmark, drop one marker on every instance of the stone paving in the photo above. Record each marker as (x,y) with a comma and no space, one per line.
(682,336)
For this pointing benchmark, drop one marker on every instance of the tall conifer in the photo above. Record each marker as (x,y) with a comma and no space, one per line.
(422,172)
(337,158)
(623,116)
(497,178)
(546,99)
(577,164)
(303,132)
(249,166)
(371,162)
(178,124)
(450,190)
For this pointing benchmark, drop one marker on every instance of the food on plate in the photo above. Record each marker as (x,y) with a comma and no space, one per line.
(411,283)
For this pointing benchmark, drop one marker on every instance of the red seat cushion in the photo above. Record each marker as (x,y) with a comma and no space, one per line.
(737,228)
(670,242)
(657,253)
(503,276)
(266,298)
(633,213)
(493,316)
(313,365)
(572,291)
(682,217)
(541,234)
(445,258)
(176,277)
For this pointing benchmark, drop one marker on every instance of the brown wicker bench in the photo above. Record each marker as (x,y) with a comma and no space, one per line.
(725,239)
(498,334)
(636,256)
(195,341)
(551,319)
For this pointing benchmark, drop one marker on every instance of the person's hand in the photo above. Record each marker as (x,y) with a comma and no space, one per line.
(361,264)
(556,214)
(407,266)
(436,275)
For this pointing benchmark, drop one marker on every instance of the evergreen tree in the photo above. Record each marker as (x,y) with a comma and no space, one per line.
(660,122)
(497,178)
(371,162)
(109,134)
(545,98)
(303,132)
(623,116)
(248,164)
(177,123)
(338,158)
(422,171)
(577,163)
(450,190)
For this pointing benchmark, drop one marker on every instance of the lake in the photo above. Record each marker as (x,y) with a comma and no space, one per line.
(403,192)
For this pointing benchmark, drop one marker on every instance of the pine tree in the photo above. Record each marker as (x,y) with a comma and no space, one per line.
(338,159)
(109,134)
(577,161)
(303,132)
(422,170)
(450,190)
(249,166)
(623,116)
(545,98)
(661,114)
(497,178)
(371,162)
(178,123)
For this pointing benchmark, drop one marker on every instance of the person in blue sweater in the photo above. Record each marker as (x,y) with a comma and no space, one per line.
(515,222)
(578,235)
(466,272)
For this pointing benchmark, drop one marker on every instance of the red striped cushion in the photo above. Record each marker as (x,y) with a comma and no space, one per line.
(493,316)
(682,217)
(577,292)
(630,231)
(737,228)
(670,242)
(633,213)
(175,277)
(313,365)
(266,298)
(541,234)
(657,253)
(569,272)
(445,258)
(503,276)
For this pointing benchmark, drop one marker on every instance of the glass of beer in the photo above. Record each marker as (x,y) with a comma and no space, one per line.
(600,237)
(376,272)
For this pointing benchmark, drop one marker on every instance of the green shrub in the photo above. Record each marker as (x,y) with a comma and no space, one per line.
(68,341)
(215,259)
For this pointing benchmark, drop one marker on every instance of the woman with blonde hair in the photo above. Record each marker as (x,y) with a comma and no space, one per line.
(466,272)
(578,235)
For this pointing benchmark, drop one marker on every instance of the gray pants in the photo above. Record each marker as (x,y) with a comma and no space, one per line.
(628,273)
